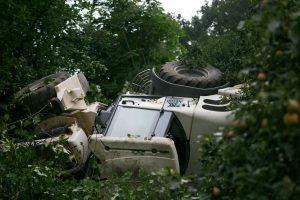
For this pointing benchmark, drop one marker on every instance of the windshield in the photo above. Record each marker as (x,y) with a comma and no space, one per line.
(133,122)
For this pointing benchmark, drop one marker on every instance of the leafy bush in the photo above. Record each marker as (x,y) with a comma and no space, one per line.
(215,38)
(258,158)
(227,52)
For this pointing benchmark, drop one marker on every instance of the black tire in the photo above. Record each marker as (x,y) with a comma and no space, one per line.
(200,77)
(36,95)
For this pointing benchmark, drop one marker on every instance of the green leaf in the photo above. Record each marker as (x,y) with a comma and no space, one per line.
(241,25)
(273,25)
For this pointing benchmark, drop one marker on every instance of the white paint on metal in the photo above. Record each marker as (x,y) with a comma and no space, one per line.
(71,94)
(121,154)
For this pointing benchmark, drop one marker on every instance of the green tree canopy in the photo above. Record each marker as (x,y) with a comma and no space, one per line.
(258,158)
(214,37)
(130,35)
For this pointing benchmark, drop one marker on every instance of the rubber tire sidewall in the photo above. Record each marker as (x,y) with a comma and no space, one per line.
(170,72)
(37,98)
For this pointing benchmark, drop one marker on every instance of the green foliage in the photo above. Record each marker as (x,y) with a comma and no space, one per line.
(228,52)
(39,38)
(161,185)
(214,38)
(129,36)
(27,174)
(109,41)
(260,160)
(258,155)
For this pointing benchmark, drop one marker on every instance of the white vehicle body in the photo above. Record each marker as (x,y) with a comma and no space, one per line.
(78,120)
(133,138)
(148,132)
(76,145)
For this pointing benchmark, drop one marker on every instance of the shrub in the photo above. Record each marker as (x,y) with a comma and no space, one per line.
(260,160)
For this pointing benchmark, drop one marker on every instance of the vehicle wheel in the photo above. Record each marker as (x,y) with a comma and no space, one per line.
(204,77)
(37,94)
